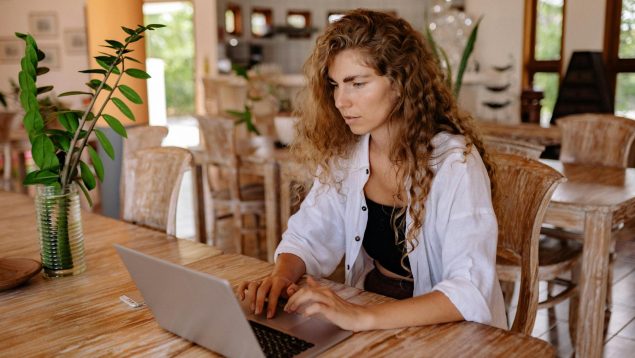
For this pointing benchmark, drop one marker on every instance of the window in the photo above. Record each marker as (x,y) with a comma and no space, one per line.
(261,22)
(299,21)
(233,20)
(542,53)
(619,54)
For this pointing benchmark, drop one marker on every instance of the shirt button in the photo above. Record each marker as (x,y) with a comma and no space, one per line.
(363,208)
(348,267)
(367,171)
(357,238)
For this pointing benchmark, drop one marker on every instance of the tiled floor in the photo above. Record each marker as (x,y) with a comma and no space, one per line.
(551,325)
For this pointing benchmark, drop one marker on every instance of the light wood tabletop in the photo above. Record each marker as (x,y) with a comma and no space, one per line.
(592,201)
(83,316)
(528,132)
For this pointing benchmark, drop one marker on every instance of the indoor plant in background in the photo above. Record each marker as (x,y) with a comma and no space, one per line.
(57,153)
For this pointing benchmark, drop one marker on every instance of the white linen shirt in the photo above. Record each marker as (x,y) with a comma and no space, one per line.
(456,251)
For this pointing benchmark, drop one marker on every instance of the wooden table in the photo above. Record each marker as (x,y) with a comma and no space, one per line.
(592,201)
(528,132)
(82,315)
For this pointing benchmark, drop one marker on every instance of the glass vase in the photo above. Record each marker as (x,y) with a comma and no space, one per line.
(59,225)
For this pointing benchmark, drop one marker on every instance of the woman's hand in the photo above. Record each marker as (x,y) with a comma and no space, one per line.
(315,299)
(255,293)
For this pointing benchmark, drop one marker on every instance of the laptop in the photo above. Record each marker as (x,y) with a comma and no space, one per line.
(204,309)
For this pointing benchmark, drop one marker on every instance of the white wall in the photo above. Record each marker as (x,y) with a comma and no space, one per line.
(14,17)
(584,27)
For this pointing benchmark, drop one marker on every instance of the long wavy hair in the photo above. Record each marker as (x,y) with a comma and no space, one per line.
(424,108)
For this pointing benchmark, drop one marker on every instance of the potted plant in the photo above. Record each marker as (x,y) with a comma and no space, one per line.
(61,170)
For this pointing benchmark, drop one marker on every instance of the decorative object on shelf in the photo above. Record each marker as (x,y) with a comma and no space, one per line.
(10,50)
(57,153)
(43,24)
(75,41)
(447,33)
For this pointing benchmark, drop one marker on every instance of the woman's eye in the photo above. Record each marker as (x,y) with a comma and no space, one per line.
(358,84)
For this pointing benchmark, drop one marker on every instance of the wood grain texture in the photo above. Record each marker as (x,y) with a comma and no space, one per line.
(153,186)
(523,190)
(527,132)
(82,315)
(592,201)
(596,139)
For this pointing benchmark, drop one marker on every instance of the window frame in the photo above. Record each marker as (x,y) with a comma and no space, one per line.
(614,64)
(531,66)
(238,21)
(268,13)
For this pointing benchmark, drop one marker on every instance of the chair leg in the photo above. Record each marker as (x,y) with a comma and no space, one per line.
(573,304)
(257,234)
(238,235)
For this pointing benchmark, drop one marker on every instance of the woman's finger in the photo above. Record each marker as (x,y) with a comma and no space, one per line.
(252,288)
(241,290)
(261,294)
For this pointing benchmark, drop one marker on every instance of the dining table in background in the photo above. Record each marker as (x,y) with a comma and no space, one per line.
(592,201)
(528,132)
(83,316)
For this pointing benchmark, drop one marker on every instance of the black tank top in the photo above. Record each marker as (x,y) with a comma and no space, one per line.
(379,238)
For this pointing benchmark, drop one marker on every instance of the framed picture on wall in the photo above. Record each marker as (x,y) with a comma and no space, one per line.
(11,50)
(75,41)
(43,24)
(53,59)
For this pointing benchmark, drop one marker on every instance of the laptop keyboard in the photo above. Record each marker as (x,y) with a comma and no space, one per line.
(278,344)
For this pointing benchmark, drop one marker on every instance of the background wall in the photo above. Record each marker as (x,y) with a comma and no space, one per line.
(291,53)
(69,16)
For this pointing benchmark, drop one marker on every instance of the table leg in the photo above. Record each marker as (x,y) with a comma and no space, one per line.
(199,203)
(272,205)
(592,284)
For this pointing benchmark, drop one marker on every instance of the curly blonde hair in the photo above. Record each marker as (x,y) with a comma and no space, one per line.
(424,108)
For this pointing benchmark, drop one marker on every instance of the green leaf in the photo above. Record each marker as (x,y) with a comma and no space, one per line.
(115,44)
(115,125)
(108,59)
(106,65)
(33,122)
(105,144)
(20,35)
(87,176)
(68,120)
(95,83)
(134,38)
(128,31)
(73,93)
(154,26)
(130,94)
(41,177)
(132,59)
(85,191)
(43,151)
(44,89)
(62,142)
(137,73)
(41,71)
(97,164)
(467,51)
(123,108)
(97,70)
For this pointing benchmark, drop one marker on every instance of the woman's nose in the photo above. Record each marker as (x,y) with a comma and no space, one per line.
(341,99)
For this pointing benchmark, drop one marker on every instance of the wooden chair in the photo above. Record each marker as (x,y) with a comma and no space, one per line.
(140,137)
(512,146)
(523,190)
(232,199)
(6,124)
(154,187)
(595,139)
(295,183)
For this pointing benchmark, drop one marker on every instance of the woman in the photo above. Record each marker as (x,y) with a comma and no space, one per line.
(402,191)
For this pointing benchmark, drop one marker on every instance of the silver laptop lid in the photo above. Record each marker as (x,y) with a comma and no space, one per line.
(179,299)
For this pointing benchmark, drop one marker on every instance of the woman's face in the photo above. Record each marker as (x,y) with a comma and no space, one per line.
(364,98)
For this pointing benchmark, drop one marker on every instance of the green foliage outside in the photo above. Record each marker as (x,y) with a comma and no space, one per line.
(548,30)
(548,83)
(625,88)
(175,45)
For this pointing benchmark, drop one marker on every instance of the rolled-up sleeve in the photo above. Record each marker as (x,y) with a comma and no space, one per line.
(316,232)
(467,225)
